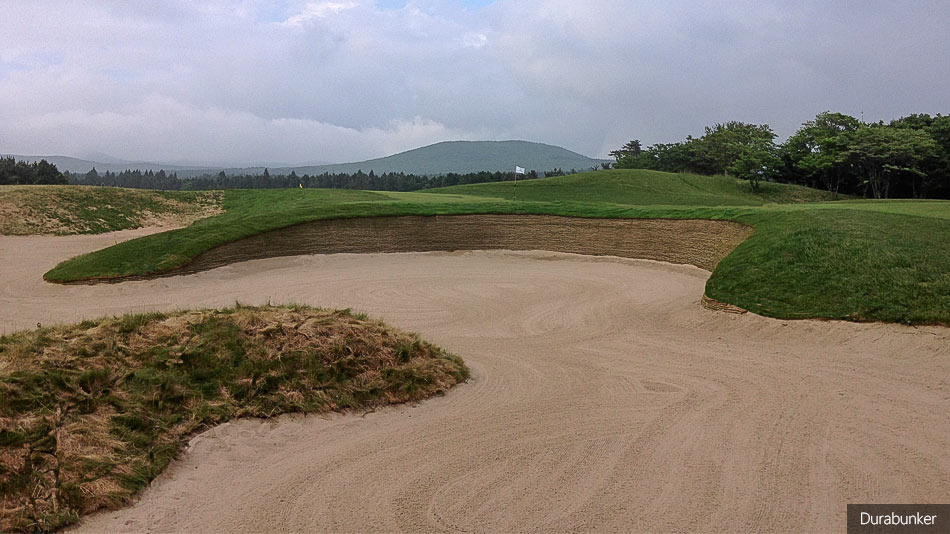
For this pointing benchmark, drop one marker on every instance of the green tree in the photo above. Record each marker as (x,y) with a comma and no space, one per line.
(938,182)
(45,172)
(818,149)
(885,153)
(631,149)
(8,171)
(936,178)
(21,172)
(723,144)
(757,162)
(669,157)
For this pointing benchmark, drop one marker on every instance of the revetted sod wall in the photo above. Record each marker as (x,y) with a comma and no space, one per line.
(692,241)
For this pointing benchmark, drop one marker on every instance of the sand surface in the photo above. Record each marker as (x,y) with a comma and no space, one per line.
(603,398)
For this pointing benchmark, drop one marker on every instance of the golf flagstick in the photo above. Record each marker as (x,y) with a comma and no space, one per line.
(518,170)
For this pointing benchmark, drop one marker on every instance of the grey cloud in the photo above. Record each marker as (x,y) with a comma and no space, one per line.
(295,81)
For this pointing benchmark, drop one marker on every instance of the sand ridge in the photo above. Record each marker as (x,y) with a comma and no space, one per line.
(603,398)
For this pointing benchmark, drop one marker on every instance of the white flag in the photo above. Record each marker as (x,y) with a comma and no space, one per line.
(519,170)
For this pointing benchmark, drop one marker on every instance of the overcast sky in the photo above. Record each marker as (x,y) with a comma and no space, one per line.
(255,81)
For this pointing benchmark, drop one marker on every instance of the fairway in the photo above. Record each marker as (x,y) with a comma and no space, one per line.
(603,396)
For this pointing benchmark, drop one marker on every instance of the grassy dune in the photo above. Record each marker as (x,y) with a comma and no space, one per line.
(63,209)
(856,260)
(92,412)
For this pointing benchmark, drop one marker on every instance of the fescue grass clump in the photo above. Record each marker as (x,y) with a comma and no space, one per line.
(74,209)
(91,413)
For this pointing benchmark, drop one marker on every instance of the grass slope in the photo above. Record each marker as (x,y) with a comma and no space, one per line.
(857,260)
(640,187)
(92,412)
(63,209)
(847,263)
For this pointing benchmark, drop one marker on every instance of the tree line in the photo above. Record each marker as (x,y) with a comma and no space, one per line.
(906,158)
(391,181)
(14,172)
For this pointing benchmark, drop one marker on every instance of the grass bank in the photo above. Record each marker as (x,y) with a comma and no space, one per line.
(90,413)
(66,209)
(856,260)
(851,264)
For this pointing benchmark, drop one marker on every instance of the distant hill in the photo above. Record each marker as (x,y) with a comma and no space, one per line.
(463,157)
(82,166)
(441,158)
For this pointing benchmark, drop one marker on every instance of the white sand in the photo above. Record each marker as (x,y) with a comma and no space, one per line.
(603,398)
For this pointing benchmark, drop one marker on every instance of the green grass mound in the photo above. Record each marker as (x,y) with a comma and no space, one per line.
(90,413)
(850,263)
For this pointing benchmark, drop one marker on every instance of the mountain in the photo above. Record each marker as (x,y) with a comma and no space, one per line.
(440,158)
(462,157)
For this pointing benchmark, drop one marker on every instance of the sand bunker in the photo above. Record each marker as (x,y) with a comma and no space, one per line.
(604,398)
(695,242)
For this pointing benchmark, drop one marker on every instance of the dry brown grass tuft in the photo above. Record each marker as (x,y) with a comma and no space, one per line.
(91,413)
(70,209)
